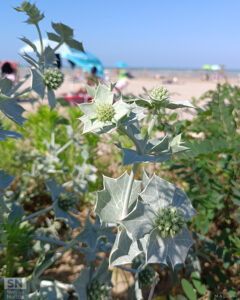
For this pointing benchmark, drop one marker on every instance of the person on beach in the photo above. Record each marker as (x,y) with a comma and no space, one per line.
(92,78)
(9,71)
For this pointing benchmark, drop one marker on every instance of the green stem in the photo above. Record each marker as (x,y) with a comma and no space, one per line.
(140,150)
(56,256)
(129,190)
(155,282)
(37,213)
(64,147)
(58,242)
(58,46)
(40,38)
(150,128)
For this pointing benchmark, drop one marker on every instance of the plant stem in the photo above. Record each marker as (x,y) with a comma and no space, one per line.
(58,46)
(127,269)
(150,128)
(57,255)
(37,213)
(155,282)
(64,147)
(57,242)
(40,38)
(128,190)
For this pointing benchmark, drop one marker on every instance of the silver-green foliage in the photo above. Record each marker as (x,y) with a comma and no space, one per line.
(152,221)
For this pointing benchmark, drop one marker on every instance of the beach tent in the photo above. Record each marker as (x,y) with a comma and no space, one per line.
(85,60)
(216,68)
(207,67)
(121,64)
(62,50)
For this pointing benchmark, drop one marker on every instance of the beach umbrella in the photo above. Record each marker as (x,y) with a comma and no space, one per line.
(84,60)
(121,64)
(62,50)
(216,68)
(207,67)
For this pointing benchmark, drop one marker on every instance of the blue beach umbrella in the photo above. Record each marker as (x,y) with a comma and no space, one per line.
(85,60)
(121,64)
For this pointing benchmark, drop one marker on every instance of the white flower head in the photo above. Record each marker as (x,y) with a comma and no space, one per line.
(103,114)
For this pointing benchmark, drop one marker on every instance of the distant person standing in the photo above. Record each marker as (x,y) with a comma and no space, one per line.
(92,78)
(8,71)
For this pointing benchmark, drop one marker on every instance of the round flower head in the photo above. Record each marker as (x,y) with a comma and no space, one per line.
(97,290)
(105,112)
(52,78)
(170,221)
(146,276)
(159,93)
(161,220)
(67,201)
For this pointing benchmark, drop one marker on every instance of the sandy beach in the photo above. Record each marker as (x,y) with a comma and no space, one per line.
(185,89)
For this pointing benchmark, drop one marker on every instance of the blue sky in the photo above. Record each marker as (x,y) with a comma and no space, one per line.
(153,33)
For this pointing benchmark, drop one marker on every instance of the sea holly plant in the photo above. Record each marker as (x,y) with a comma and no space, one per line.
(102,114)
(46,78)
(151,217)
(94,283)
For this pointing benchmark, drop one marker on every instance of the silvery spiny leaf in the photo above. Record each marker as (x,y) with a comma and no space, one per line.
(131,156)
(156,150)
(60,214)
(32,11)
(5,87)
(49,290)
(158,196)
(8,105)
(124,249)
(49,57)
(65,34)
(5,180)
(110,200)
(89,276)
(16,212)
(176,145)
(37,83)
(92,232)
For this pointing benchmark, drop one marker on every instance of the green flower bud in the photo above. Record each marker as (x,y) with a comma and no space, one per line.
(98,291)
(146,276)
(105,112)
(53,78)
(159,93)
(173,224)
(67,201)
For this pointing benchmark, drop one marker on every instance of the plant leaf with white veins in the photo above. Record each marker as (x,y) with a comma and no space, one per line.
(131,156)
(110,200)
(140,221)
(124,249)
(178,104)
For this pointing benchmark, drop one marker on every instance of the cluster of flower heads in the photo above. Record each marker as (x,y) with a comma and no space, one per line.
(159,93)
(67,201)
(98,290)
(53,78)
(105,112)
(170,221)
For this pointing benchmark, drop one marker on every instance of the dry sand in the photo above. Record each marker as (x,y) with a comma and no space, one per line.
(185,89)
